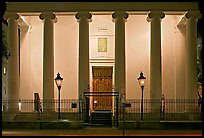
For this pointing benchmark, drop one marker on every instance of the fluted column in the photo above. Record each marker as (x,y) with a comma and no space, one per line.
(191,54)
(120,17)
(49,19)
(13,61)
(155,56)
(83,18)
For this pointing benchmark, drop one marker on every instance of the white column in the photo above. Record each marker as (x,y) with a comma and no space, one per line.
(83,18)
(191,54)
(155,56)
(49,19)
(120,17)
(13,61)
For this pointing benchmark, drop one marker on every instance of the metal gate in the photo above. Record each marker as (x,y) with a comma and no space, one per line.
(90,105)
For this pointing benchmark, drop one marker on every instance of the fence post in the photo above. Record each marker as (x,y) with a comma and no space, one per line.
(86,110)
(80,107)
(116,111)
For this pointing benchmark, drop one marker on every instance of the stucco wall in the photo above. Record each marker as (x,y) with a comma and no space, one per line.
(173,61)
(137,55)
(66,56)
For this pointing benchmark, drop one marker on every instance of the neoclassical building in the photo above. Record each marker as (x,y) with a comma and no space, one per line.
(101,47)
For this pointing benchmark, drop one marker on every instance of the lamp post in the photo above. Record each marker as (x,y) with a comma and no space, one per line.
(141,79)
(58,81)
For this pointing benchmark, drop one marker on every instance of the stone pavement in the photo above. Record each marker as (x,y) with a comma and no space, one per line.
(100,132)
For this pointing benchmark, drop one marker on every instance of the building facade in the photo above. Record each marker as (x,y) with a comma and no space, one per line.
(101,47)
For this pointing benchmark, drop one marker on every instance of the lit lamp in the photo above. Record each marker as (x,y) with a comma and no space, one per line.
(58,81)
(19,105)
(141,81)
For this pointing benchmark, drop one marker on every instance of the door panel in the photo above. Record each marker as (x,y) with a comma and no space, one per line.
(102,82)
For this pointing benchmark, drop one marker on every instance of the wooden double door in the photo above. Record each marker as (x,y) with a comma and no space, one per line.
(102,84)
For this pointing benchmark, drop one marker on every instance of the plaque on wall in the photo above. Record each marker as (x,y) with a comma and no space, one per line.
(102,45)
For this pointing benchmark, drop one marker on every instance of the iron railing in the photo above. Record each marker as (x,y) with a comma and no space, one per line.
(73,109)
(166,109)
(69,109)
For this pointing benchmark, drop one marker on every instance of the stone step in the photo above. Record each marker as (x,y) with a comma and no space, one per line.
(101,118)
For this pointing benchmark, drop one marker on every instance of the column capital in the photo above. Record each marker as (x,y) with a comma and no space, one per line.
(83,15)
(48,15)
(193,14)
(12,15)
(120,14)
(155,14)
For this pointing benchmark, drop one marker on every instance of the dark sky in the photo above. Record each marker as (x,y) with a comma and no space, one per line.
(200,27)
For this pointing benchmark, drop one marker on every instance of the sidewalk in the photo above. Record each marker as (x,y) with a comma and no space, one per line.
(100,132)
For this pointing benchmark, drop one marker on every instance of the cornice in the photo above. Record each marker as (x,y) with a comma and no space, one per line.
(37,7)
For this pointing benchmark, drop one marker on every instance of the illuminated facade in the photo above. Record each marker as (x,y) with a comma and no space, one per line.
(102,49)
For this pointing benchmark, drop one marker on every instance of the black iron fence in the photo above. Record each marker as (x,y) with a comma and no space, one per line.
(162,109)
(30,110)
(73,109)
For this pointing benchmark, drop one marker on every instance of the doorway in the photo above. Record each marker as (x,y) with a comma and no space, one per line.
(102,82)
